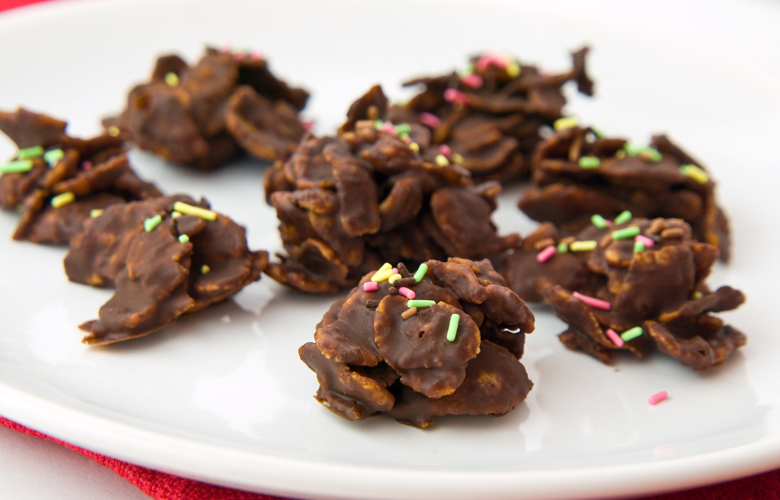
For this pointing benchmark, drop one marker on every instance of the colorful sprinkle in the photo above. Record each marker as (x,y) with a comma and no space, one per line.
(389,129)
(409,313)
(86,165)
(406,292)
(513,69)
(152,222)
(546,254)
(457,158)
(420,273)
(308,125)
(384,267)
(95,212)
(632,333)
(171,79)
(53,157)
(633,149)
(420,303)
(593,302)
(625,233)
(31,152)
(452,330)
(441,160)
(598,221)
(455,96)
(63,199)
(175,215)
(445,150)
(615,338)
(694,173)
(190,210)
(583,246)
(623,217)
(113,131)
(14,167)
(565,123)
(414,147)
(697,295)
(472,80)
(395,277)
(650,154)
(589,162)
(429,119)
(491,58)
(370,286)
(382,275)
(562,248)
(183,238)
(403,128)
(647,242)
(205,269)
(658,397)
(638,246)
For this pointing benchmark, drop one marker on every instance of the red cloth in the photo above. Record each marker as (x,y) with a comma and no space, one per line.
(161,486)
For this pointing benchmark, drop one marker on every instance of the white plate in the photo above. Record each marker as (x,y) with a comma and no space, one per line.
(223,397)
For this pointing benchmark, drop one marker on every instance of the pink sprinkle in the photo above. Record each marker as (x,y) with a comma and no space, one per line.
(607,223)
(657,398)
(648,242)
(454,95)
(429,119)
(546,254)
(255,56)
(308,125)
(490,58)
(238,56)
(227,48)
(370,286)
(406,292)
(388,129)
(395,270)
(445,150)
(86,165)
(472,80)
(615,338)
(593,302)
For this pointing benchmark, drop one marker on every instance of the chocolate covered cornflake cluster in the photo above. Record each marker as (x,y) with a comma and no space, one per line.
(366,196)
(629,284)
(489,115)
(445,340)
(577,172)
(166,257)
(227,104)
(56,181)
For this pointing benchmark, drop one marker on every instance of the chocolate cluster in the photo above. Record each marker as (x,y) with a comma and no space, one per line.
(577,172)
(56,181)
(166,257)
(366,196)
(629,286)
(490,115)
(444,341)
(227,104)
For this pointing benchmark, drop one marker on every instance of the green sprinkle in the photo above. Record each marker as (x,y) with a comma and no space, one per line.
(53,157)
(633,149)
(33,152)
(95,212)
(183,238)
(589,162)
(625,233)
(632,333)
(564,123)
(403,128)
(63,199)
(378,124)
(452,330)
(191,210)
(651,154)
(14,167)
(418,303)
(562,248)
(639,247)
(599,133)
(583,246)
(598,221)
(171,79)
(694,173)
(152,222)
(623,217)
(420,273)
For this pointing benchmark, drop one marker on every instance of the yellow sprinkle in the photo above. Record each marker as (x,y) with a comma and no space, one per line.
(697,295)
(513,69)
(63,199)
(171,79)
(190,210)
(113,131)
(583,246)
(94,213)
(457,158)
(175,215)
(414,147)
(382,275)
(620,154)
(384,267)
(565,123)
(441,160)
(694,173)
(394,278)
(205,269)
